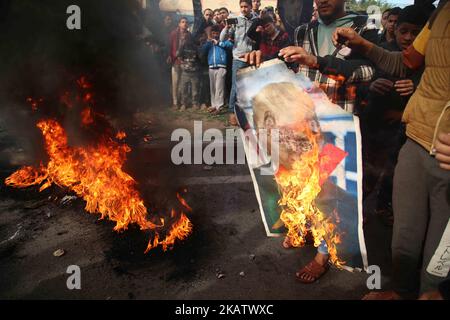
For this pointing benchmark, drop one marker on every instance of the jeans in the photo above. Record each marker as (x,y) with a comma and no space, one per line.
(237,64)
(322,248)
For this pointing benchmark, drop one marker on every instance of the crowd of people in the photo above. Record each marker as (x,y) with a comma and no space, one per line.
(403,105)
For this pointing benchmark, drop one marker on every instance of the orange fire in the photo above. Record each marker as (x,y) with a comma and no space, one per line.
(96,175)
(300,185)
(86,116)
(121,135)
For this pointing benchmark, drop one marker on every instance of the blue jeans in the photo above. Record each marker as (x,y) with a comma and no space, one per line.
(237,64)
(322,248)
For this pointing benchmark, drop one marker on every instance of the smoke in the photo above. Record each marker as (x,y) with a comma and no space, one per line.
(42,59)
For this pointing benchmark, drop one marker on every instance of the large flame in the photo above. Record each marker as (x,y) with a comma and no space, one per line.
(96,175)
(300,186)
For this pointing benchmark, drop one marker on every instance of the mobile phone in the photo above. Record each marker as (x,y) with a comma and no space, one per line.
(232,21)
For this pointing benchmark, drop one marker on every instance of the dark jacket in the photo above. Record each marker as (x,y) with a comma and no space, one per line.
(188,56)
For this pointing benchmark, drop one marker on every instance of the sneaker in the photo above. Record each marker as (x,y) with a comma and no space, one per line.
(211,109)
(182,108)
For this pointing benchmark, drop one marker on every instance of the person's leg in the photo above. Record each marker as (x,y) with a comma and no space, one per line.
(232,102)
(182,90)
(206,89)
(436,253)
(175,84)
(220,87)
(195,87)
(212,86)
(410,204)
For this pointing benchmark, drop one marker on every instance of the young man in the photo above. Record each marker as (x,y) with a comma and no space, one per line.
(381,119)
(391,21)
(223,15)
(338,73)
(175,38)
(217,61)
(268,37)
(384,17)
(205,24)
(256,5)
(422,175)
(242,45)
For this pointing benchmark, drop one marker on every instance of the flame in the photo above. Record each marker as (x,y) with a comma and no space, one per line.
(96,175)
(87,116)
(300,185)
(34,103)
(121,135)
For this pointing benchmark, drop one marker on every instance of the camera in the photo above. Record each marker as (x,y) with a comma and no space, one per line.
(231,21)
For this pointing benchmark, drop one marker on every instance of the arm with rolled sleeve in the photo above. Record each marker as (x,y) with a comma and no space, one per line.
(225,34)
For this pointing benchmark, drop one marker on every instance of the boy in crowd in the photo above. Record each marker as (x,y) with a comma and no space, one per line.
(217,61)
(190,68)
(242,45)
(175,39)
(388,34)
(268,37)
(256,5)
(224,13)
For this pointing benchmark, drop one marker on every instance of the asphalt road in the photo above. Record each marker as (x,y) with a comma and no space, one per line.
(228,238)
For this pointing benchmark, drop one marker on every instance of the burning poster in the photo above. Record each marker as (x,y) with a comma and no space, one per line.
(304,155)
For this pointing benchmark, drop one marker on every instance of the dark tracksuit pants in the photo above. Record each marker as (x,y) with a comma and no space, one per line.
(421,203)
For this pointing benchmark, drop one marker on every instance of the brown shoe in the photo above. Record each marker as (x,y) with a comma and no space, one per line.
(232,120)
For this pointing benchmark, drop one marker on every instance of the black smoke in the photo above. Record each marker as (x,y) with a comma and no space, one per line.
(41,58)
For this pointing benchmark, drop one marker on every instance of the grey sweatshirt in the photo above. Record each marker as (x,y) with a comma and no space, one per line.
(242,43)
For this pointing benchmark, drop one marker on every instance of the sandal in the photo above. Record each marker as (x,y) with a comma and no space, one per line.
(314,270)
